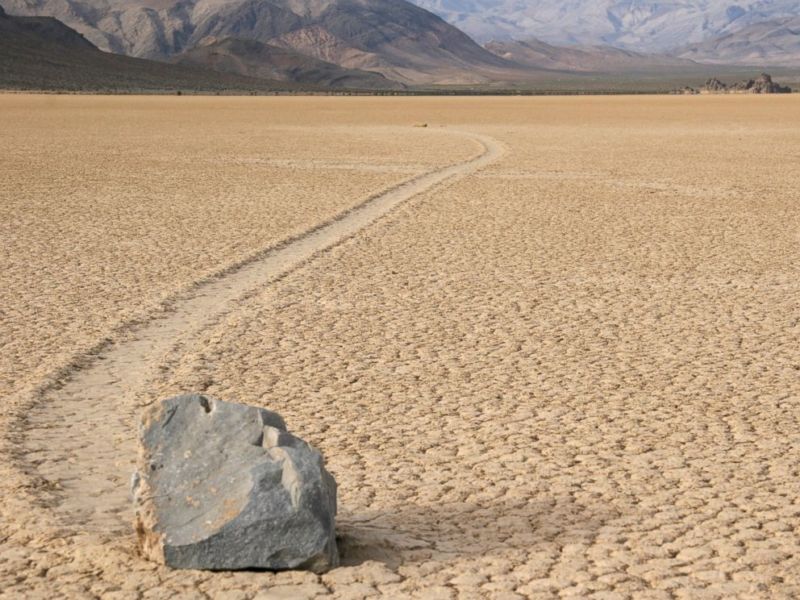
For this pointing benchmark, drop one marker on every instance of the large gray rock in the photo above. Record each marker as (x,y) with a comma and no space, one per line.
(224,486)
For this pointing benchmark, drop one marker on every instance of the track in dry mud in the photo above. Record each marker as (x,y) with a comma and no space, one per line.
(81,436)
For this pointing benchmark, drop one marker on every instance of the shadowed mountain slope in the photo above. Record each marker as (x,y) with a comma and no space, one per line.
(44,54)
(255,59)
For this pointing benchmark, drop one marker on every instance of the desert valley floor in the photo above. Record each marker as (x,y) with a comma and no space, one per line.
(565,363)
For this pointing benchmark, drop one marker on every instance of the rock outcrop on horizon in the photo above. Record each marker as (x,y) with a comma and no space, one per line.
(223,486)
(762,84)
(714,85)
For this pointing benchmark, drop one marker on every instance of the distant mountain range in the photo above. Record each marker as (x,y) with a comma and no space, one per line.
(393,44)
(639,25)
(775,42)
(391,37)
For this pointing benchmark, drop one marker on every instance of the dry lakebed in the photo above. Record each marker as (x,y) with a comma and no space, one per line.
(548,347)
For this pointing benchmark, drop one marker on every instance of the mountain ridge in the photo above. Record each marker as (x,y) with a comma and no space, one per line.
(256,59)
(769,43)
(41,53)
(584,59)
(639,25)
(393,37)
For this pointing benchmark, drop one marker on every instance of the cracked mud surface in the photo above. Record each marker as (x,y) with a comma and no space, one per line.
(575,372)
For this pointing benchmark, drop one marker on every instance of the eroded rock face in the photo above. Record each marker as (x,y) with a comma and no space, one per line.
(715,85)
(224,486)
(761,85)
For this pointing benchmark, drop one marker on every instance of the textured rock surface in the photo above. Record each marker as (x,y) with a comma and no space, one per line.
(763,84)
(715,85)
(225,486)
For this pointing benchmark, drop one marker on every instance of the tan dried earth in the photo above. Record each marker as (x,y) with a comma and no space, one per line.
(559,358)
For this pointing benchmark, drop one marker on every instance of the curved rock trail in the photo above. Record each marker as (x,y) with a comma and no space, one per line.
(81,436)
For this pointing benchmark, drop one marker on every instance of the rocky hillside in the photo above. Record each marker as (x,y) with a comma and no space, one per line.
(41,30)
(590,59)
(41,53)
(775,42)
(255,59)
(392,37)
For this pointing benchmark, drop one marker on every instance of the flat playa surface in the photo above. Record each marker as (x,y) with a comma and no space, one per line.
(574,371)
